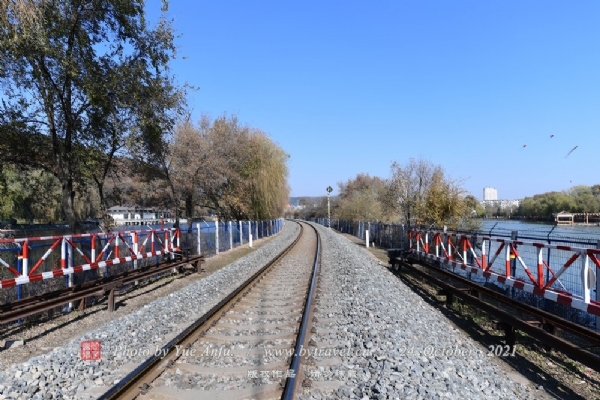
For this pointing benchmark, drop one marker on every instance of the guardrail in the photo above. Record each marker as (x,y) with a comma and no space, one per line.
(470,253)
(86,247)
(28,266)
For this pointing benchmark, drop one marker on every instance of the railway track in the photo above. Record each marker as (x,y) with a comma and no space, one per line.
(249,346)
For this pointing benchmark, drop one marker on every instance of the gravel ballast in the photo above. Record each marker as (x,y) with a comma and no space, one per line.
(131,339)
(376,339)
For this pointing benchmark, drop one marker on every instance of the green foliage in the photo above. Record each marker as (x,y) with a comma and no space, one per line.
(83,81)
(28,195)
(475,208)
(445,201)
(578,199)
(33,194)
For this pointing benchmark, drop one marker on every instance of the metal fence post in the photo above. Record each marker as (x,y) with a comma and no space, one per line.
(199,246)
(134,237)
(250,234)
(136,250)
(230,237)
(70,265)
(547,278)
(217,236)
(20,271)
(597,290)
(152,234)
(514,235)
(402,237)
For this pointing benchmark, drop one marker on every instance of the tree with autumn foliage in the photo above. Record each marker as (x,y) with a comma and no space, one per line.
(358,199)
(235,171)
(266,177)
(420,192)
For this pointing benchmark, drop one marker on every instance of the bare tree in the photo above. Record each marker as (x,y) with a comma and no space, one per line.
(421,193)
(407,189)
(189,155)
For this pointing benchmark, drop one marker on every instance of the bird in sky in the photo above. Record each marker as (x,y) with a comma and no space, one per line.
(570,151)
(524,145)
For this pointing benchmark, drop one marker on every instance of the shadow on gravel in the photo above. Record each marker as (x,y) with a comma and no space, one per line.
(525,367)
(25,326)
(14,330)
(133,291)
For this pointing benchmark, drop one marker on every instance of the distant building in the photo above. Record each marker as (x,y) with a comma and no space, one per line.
(502,204)
(489,193)
(136,215)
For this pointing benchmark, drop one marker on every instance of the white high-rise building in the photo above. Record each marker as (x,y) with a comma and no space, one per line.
(489,193)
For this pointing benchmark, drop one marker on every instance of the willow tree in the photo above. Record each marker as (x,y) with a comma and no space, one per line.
(227,146)
(83,80)
(266,176)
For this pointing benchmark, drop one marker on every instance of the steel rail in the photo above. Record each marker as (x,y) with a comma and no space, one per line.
(138,380)
(545,316)
(574,352)
(33,305)
(290,383)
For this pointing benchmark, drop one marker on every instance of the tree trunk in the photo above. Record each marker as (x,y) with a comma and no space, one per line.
(101,195)
(189,207)
(177,203)
(176,224)
(68,195)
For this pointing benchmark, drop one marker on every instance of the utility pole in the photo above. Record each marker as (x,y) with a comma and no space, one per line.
(329,190)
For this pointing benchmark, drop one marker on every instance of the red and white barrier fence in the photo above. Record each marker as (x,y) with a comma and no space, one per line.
(454,250)
(93,259)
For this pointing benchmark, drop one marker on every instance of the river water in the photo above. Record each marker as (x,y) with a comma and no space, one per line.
(540,230)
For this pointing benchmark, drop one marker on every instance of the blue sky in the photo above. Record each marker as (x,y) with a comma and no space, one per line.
(347,87)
